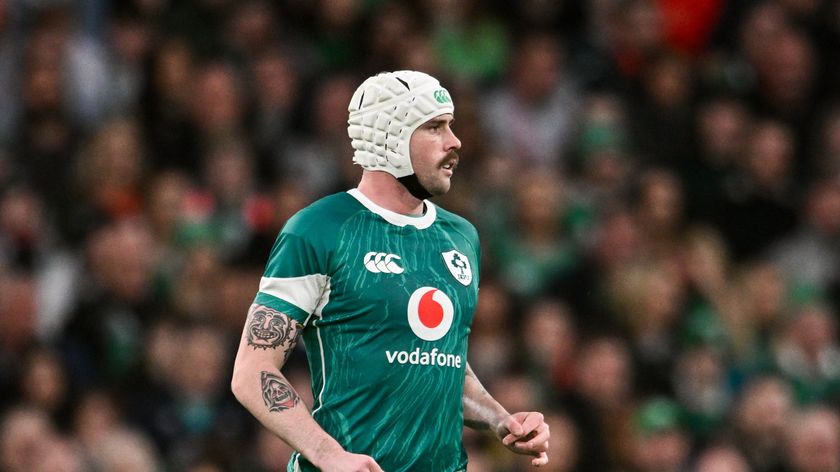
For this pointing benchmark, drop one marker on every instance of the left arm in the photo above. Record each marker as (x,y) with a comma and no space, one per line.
(523,432)
(481,411)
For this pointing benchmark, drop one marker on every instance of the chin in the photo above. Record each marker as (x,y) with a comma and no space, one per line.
(436,187)
(439,190)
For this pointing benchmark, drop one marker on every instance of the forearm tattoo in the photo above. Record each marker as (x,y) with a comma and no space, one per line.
(476,414)
(268,329)
(277,394)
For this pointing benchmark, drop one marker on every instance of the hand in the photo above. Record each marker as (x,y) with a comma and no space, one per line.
(349,462)
(526,433)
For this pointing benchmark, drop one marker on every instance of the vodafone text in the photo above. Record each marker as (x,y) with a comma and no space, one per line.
(416,357)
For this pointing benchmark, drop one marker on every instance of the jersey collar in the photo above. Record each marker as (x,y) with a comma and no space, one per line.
(398,219)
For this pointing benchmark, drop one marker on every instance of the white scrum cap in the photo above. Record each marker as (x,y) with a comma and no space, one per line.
(384,112)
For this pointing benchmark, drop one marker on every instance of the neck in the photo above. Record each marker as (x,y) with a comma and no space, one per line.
(383,189)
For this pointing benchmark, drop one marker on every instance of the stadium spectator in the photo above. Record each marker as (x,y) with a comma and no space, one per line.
(681,156)
(813,441)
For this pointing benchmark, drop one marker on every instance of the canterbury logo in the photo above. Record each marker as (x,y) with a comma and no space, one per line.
(442,96)
(381,262)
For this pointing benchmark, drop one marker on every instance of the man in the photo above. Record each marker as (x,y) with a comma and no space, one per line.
(813,440)
(382,285)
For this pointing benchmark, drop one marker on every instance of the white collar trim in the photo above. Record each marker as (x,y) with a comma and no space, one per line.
(398,219)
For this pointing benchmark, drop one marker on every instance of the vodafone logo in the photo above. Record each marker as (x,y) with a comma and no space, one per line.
(430,313)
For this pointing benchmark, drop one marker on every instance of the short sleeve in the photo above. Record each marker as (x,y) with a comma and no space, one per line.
(295,278)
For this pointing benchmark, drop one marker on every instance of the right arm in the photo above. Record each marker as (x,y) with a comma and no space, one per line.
(267,340)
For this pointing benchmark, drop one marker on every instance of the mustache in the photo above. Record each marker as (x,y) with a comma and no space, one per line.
(453,157)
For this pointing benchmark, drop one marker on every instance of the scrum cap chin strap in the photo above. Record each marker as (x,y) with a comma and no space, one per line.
(414,187)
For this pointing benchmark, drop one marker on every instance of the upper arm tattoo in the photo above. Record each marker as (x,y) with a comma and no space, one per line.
(268,329)
(277,394)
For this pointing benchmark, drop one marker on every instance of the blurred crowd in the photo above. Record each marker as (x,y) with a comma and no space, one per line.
(656,184)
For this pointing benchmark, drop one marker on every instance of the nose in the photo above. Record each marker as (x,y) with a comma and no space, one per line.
(452,141)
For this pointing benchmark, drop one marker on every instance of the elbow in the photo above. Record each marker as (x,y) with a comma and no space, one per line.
(237,384)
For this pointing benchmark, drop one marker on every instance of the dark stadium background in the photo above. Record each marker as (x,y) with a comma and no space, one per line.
(656,184)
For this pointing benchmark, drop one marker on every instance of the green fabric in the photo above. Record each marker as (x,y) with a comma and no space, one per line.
(658,415)
(477,52)
(529,270)
(596,138)
(407,415)
(703,327)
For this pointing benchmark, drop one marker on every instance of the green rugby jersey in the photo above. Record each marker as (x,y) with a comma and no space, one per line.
(386,301)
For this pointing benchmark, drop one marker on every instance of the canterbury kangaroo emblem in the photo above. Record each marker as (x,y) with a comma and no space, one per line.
(382,263)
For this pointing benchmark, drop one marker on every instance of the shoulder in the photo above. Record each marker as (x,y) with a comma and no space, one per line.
(325,216)
(458,223)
